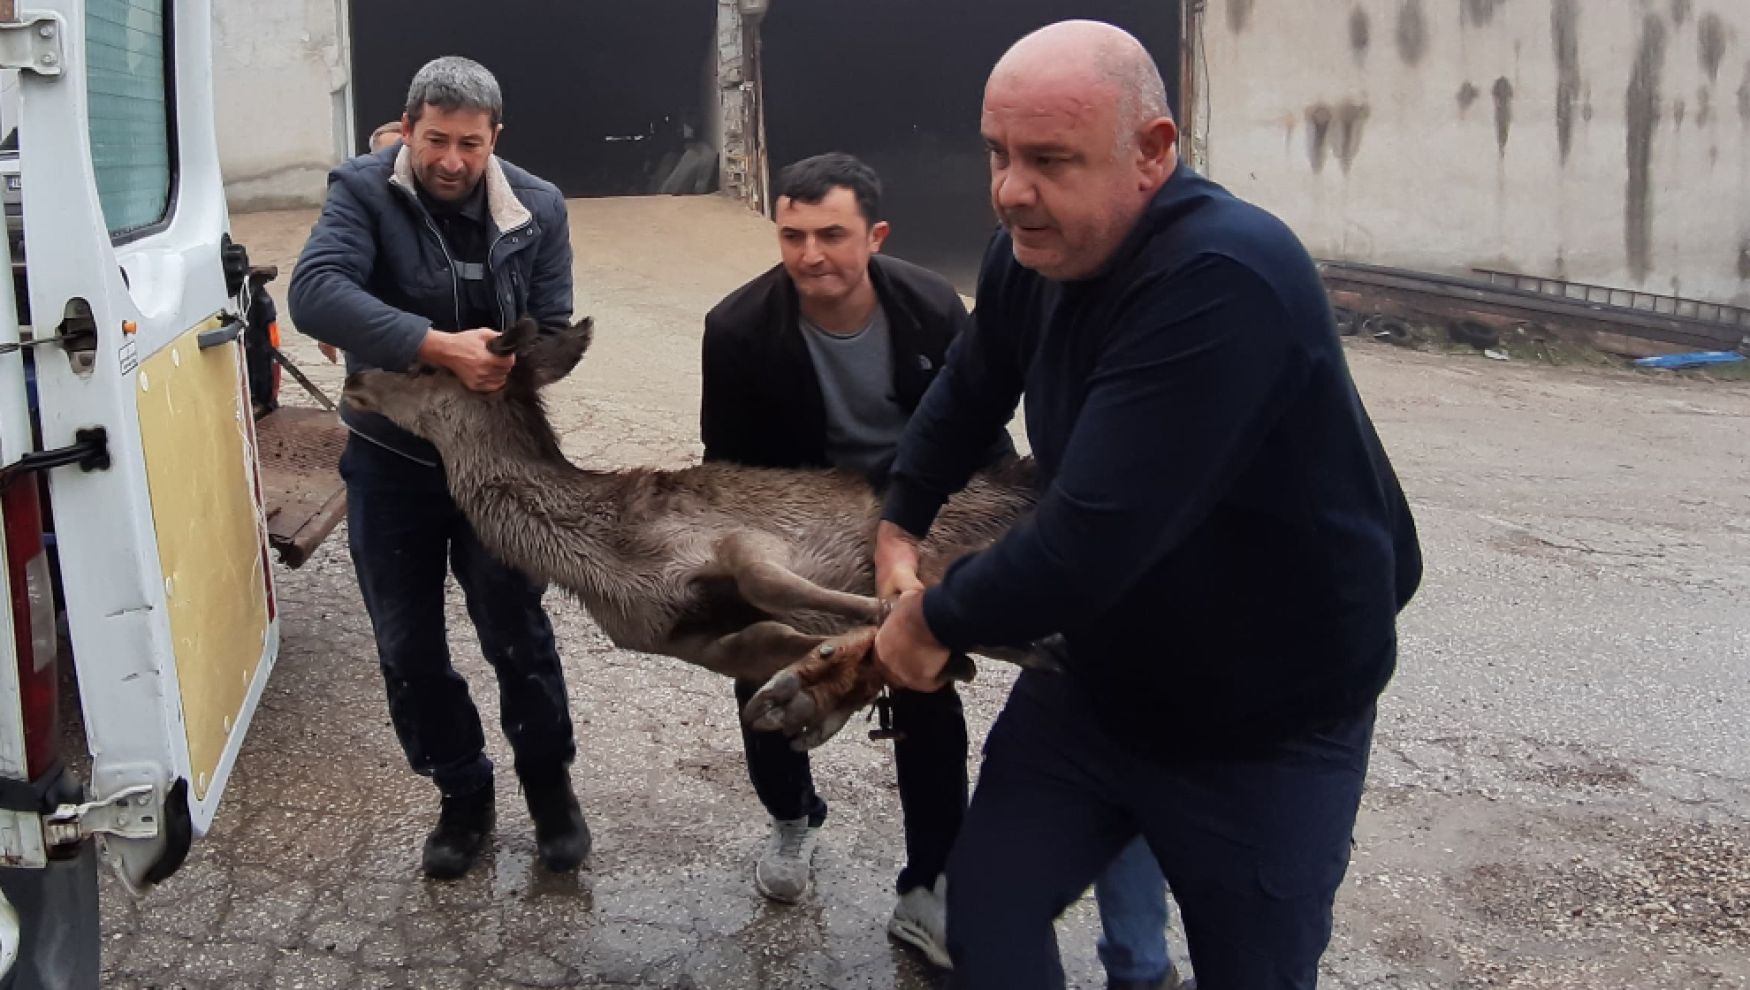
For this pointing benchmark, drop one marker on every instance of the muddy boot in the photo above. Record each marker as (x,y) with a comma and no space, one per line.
(561,835)
(464,822)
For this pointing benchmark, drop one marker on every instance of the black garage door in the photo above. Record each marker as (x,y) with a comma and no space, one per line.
(595,93)
(899,83)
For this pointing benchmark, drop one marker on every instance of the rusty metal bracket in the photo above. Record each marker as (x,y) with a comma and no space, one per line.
(130,813)
(30,40)
(884,713)
(304,380)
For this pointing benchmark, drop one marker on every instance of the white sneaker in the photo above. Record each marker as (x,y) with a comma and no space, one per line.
(783,868)
(920,920)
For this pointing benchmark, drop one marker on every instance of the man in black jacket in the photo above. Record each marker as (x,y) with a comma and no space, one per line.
(425,251)
(818,363)
(1222,542)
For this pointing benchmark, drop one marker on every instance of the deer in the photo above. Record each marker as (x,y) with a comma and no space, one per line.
(754,573)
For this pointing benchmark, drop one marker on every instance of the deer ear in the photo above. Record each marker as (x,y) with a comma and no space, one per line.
(555,355)
(519,338)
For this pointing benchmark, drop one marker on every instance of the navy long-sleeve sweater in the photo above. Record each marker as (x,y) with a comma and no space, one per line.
(1222,541)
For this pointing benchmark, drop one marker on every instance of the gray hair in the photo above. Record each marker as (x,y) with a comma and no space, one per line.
(1142,93)
(1120,61)
(454,83)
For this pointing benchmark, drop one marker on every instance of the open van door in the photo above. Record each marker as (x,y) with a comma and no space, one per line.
(163,552)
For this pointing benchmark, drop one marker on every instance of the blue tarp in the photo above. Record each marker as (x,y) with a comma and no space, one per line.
(1690,360)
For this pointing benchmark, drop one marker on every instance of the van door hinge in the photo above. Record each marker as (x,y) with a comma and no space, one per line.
(130,813)
(80,337)
(30,40)
(89,450)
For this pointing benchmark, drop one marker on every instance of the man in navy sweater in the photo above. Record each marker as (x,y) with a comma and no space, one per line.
(1221,543)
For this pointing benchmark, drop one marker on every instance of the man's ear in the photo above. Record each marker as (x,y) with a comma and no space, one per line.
(519,338)
(553,356)
(1157,151)
(878,236)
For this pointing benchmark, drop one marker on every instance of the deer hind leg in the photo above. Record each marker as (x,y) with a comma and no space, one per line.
(760,566)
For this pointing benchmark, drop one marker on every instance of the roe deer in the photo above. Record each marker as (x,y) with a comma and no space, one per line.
(755,573)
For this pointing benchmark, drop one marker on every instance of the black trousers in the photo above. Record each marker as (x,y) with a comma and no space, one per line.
(407,535)
(1253,848)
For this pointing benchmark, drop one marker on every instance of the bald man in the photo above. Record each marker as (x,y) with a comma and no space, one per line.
(1221,542)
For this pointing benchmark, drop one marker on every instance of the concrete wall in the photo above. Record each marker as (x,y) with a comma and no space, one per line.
(281,74)
(736,132)
(1602,141)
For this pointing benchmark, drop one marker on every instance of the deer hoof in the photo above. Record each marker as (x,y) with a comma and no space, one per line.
(816,734)
(781,706)
(812,699)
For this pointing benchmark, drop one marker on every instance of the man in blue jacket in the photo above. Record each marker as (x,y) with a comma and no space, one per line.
(425,251)
(1222,542)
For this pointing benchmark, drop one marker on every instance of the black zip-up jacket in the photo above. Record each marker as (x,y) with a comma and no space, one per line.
(1222,542)
(760,398)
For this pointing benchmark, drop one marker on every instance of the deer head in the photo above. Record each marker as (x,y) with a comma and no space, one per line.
(432,403)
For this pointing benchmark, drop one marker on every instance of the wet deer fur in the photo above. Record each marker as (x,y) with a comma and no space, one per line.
(744,571)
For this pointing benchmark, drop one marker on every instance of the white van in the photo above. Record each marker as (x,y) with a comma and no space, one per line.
(139,515)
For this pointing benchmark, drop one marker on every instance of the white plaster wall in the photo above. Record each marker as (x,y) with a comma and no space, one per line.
(281,77)
(1420,180)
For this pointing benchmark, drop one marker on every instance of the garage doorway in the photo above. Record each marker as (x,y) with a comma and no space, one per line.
(899,83)
(601,99)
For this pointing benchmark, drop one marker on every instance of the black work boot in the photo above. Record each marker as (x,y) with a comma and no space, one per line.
(464,821)
(561,835)
(1171,981)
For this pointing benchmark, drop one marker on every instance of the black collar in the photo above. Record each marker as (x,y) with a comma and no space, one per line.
(470,207)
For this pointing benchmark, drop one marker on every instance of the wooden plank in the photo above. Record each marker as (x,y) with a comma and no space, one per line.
(301,487)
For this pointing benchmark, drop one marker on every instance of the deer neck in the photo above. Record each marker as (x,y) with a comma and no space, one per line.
(537,511)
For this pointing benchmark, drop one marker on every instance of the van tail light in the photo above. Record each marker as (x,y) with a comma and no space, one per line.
(33,624)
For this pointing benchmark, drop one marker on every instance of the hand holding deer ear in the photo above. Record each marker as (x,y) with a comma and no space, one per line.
(471,355)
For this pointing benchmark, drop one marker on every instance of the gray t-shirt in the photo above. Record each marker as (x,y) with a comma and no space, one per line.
(863,419)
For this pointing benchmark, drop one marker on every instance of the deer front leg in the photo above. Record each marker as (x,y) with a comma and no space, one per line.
(760,567)
(813,698)
(753,654)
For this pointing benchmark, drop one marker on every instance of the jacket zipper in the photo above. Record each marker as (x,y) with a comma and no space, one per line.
(455,279)
(431,225)
(498,297)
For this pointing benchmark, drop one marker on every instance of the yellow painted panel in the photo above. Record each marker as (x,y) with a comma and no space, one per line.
(192,428)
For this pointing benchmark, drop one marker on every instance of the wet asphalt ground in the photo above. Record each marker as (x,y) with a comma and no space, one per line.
(1559,796)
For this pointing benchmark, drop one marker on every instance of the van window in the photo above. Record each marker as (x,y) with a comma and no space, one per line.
(128,78)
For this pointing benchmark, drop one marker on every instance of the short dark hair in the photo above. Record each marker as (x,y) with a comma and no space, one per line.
(811,179)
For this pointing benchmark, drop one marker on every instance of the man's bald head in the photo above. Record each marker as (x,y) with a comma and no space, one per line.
(1075,117)
(1095,60)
